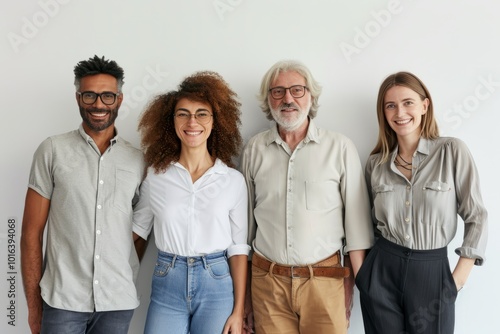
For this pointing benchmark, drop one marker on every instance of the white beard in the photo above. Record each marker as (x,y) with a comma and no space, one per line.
(290,124)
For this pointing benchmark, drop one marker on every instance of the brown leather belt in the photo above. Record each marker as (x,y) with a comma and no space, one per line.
(334,269)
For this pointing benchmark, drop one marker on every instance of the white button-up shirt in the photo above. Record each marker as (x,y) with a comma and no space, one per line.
(193,219)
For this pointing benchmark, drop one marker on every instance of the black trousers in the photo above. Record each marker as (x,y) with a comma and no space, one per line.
(405,291)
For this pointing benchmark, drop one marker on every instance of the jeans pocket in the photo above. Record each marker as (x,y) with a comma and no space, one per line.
(219,270)
(161,269)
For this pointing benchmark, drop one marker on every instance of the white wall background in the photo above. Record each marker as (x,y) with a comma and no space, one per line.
(350,46)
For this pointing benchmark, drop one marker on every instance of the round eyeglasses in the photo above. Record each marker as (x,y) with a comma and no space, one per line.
(89,97)
(202,117)
(296,91)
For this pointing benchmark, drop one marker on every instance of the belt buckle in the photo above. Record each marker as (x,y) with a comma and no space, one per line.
(292,274)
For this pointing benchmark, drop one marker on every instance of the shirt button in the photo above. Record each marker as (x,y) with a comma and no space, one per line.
(407,237)
(96,282)
(407,219)
(98,231)
(99,206)
(408,187)
(101,182)
(407,203)
(97,257)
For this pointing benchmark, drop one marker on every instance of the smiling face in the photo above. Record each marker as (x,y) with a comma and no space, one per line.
(190,131)
(403,110)
(98,116)
(290,112)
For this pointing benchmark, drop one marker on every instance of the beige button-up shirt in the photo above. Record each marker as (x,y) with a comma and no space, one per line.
(90,261)
(302,204)
(421,213)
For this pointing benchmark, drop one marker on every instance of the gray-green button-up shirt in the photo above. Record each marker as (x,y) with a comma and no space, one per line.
(421,213)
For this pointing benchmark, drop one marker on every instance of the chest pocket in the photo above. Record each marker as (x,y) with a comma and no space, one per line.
(382,188)
(322,195)
(125,187)
(437,186)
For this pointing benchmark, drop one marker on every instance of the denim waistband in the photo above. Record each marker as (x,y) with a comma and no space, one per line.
(192,260)
(414,254)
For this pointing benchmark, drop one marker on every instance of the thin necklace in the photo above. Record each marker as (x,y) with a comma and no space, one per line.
(405,163)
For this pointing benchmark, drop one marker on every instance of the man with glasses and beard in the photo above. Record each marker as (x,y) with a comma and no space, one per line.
(83,186)
(307,196)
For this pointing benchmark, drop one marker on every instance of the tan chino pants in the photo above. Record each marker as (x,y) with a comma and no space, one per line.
(284,305)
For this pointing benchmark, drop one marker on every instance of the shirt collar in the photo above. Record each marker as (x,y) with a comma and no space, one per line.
(274,136)
(89,139)
(219,167)
(423,147)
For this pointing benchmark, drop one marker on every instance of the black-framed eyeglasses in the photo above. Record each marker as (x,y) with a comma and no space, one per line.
(201,116)
(296,91)
(90,97)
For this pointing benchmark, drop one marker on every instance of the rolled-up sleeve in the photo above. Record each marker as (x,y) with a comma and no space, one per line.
(470,205)
(143,215)
(238,217)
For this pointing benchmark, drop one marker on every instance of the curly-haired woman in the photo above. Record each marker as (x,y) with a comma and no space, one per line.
(197,204)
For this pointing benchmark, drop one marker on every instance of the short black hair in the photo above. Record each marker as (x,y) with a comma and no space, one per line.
(98,65)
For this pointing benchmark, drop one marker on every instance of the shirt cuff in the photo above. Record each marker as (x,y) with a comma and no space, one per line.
(143,233)
(471,253)
(241,249)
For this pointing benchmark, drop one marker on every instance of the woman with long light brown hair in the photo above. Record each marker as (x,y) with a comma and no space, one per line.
(419,183)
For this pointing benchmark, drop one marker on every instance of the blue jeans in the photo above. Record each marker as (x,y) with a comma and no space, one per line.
(190,294)
(56,321)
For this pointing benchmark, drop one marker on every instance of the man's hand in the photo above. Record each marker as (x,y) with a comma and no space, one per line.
(35,317)
(348,288)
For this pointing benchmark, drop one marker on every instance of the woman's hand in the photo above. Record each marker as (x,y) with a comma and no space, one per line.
(462,271)
(234,324)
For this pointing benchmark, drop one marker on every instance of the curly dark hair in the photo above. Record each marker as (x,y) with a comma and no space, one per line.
(98,65)
(158,137)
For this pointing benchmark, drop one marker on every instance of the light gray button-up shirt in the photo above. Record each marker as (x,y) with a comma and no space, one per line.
(421,213)
(303,203)
(90,260)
